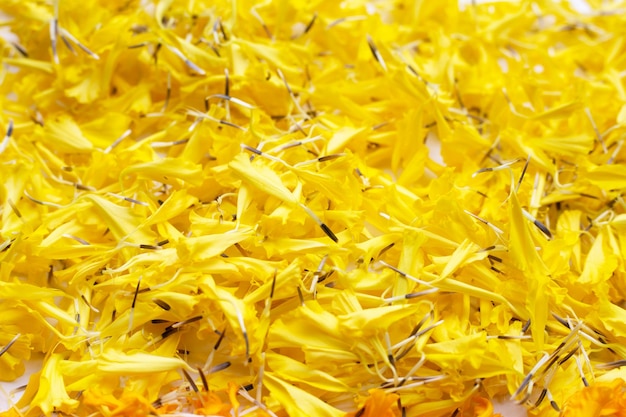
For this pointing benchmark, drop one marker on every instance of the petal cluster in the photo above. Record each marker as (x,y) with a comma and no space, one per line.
(313,208)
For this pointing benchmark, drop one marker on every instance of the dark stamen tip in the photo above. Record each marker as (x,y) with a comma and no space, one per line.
(329,232)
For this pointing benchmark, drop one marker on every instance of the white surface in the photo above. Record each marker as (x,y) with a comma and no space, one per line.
(509,409)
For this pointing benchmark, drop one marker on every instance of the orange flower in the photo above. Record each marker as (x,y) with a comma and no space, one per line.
(602,399)
(213,406)
(484,408)
(232,396)
(378,404)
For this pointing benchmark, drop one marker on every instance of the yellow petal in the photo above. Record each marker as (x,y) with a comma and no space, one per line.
(608,177)
(297,402)
(64,134)
(289,369)
(52,394)
(262,178)
(116,362)
(209,246)
(166,171)
(122,221)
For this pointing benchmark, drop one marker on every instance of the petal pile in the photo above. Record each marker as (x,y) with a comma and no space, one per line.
(313,208)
